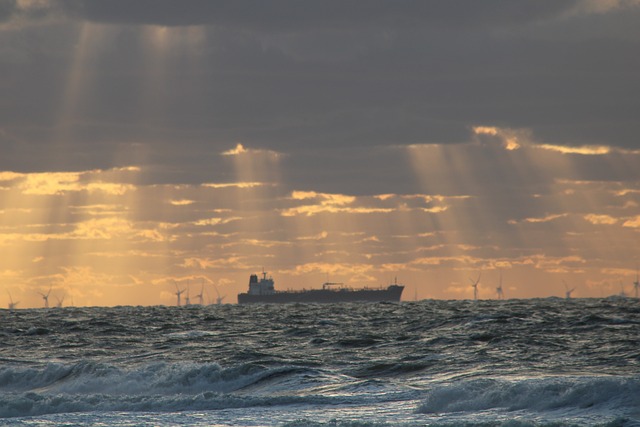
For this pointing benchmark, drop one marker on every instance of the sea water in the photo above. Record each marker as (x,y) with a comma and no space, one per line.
(487,363)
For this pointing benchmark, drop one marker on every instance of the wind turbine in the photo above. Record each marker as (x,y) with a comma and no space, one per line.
(208,296)
(475,286)
(636,283)
(12,305)
(60,301)
(220,298)
(45,297)
(567,294)
(623,294)
(199,296)
(499,288)
(178,292)
(187,300)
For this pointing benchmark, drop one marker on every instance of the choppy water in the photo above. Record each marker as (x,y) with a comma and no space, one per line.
(515,363)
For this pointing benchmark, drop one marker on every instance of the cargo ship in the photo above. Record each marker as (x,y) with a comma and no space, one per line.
(262,291)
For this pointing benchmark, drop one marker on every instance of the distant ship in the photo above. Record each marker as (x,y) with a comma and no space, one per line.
(263,291)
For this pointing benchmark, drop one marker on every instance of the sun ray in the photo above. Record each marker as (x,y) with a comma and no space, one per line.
(91,39)
(571,224)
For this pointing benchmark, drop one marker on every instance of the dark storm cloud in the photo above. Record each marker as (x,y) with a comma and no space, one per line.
(283,15)
(311,76)
(7,8)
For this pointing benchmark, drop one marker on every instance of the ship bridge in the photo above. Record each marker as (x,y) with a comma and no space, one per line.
(328,285)
(263,286)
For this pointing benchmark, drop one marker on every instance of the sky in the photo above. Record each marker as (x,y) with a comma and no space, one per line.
(147,145)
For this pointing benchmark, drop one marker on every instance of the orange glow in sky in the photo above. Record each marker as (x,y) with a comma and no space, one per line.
(147,149)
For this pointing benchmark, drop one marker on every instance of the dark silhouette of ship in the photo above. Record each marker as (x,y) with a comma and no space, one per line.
(263,291)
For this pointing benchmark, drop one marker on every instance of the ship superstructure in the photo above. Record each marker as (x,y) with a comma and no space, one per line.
(263,286)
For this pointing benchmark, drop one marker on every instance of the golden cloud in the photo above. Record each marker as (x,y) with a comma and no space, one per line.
(102,228)
(384,197)
(339,203)
(310,210)
(587,150)
(215,221)
(7,238)
(181,202)
(114,189)
(485,130)
(203,263)
(534,220)
(325,198)
(513,139)
(436,209)
(320,236)
(256,243)
(153,235)
(600,219)
(50,183)
(336,269)
(626,191)
(10,176)
(239,149)
(633,222)
(553,264)
(510,138)
(208,221)
(55,183)
(235,185)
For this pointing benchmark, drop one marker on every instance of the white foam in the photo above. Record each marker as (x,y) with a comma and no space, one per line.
(615,394)
(90,386)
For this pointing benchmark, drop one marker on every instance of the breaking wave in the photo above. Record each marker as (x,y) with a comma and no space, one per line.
(89,386)
(438,363)
(614,395)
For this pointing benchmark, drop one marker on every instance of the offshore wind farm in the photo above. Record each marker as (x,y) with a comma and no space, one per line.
(340,287)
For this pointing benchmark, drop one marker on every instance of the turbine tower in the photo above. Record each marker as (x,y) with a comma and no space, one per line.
(187,300)
(60,301)
(12,305)
(636,283)
(178,292)
(220,298)
(45,297)
(499,288)
(568,292)
(199,296)
(475,287)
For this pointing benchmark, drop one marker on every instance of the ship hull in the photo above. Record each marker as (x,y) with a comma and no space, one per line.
(325,296)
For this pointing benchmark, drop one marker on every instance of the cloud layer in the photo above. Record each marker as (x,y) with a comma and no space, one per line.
(150,141)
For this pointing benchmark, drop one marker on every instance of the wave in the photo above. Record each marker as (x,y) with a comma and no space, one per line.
(617,422)
(35,404)
(91,386)
(163,387)
(615,395)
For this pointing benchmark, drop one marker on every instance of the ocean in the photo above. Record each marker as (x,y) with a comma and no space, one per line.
(540,362)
